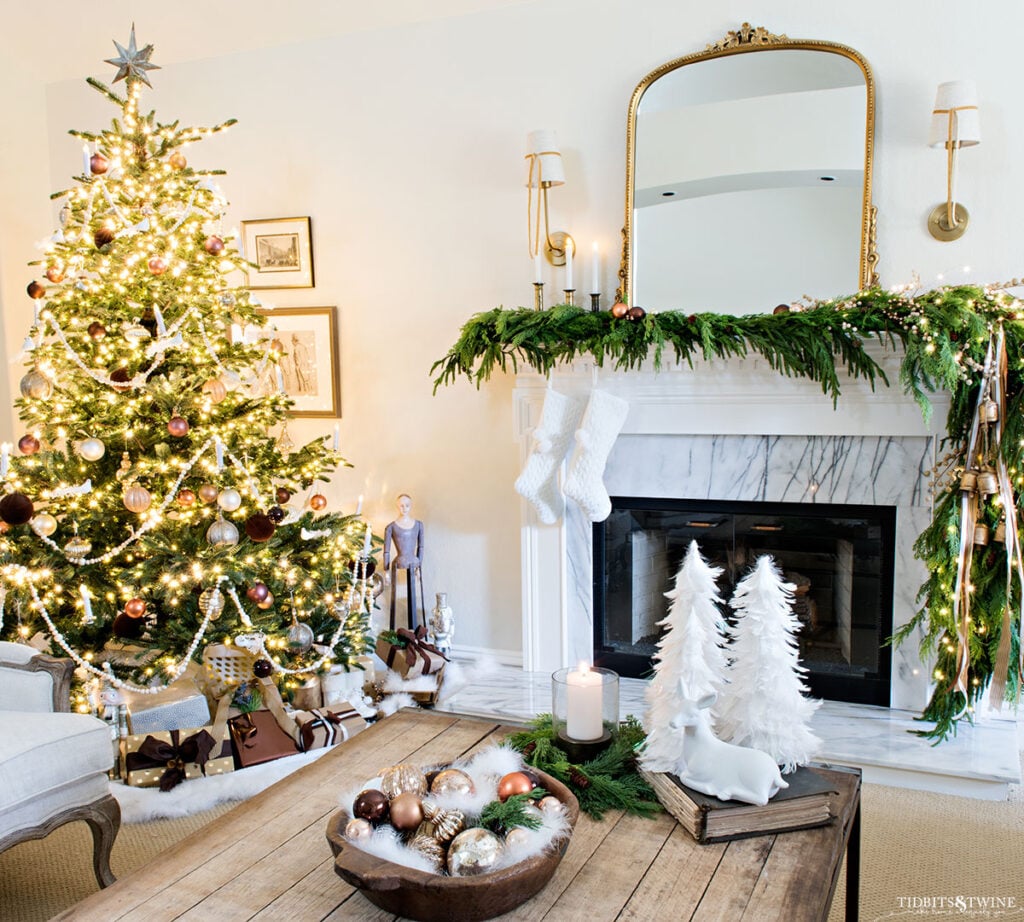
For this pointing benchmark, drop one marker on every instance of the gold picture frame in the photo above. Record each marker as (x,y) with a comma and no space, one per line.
(309,367)
(280,251)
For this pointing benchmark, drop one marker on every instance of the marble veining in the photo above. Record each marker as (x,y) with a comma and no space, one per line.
(851,734)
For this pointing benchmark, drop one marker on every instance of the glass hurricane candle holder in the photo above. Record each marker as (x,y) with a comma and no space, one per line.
(584,710)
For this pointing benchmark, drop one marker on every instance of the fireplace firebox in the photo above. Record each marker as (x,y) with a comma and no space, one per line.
(838,557)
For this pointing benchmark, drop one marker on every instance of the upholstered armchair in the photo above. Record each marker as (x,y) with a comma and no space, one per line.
(53,764)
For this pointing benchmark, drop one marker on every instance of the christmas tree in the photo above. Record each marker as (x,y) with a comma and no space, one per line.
(765,705)
(691,650)
(149,500)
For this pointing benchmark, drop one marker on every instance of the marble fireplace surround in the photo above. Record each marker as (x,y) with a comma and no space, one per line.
(732,430)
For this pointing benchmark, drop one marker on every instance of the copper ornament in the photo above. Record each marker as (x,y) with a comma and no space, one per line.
(406,811)
(513,783)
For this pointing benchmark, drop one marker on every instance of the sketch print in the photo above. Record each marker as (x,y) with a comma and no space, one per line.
(277,252)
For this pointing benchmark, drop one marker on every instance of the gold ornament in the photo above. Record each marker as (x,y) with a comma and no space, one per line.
(475,851)
(429,848)
(36,386)
(215,390)
(208,493)
(452,781)
(211,602)
(406,810)
(77,548)
(445,824)
(222,533)
(136,498)
(401,778)
(43,524)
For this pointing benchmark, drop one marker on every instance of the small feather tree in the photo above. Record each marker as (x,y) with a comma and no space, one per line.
(691,650)
(765,705)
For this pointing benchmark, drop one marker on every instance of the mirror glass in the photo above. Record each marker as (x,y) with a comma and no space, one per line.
(749,179)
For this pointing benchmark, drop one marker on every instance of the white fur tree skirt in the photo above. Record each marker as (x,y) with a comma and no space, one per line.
(140,805)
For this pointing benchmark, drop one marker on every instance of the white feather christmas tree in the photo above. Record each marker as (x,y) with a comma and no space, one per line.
(691,650)
(765,705)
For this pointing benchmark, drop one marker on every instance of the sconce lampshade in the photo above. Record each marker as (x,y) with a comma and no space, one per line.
(961,98)
(545,159)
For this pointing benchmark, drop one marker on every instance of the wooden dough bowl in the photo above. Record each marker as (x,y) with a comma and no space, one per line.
(439,898)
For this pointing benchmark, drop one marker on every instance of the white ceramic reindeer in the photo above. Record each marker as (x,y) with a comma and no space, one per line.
(717,768)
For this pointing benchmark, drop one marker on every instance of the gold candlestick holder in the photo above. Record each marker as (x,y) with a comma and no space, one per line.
(538,296)
(595,301)
(570,295)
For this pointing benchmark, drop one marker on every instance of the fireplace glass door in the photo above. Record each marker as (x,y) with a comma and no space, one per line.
(838,558)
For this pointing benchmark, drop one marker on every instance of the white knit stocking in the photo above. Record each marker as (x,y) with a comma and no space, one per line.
(603,420)
(538,482)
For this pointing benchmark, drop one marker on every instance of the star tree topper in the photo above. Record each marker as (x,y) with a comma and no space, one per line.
(132,62)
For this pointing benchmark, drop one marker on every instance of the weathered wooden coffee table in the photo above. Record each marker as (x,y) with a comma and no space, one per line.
(268,858)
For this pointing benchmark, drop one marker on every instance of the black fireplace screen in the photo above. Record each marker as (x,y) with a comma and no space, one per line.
(839,558)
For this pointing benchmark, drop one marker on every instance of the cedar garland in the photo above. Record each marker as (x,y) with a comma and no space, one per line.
(943,335)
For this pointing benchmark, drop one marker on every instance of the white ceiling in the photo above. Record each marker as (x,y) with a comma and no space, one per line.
(54,40)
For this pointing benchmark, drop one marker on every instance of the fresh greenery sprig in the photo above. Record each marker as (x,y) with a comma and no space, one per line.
(607,782)
(499,817)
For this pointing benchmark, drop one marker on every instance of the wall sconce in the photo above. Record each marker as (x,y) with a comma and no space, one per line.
(545,171)
(955,124)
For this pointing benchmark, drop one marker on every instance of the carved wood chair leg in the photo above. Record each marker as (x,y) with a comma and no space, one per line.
(104,819)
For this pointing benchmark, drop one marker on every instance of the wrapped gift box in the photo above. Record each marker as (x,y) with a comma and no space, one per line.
(410,653)
(327,726)
(178,705)
(259,738)
(166,758)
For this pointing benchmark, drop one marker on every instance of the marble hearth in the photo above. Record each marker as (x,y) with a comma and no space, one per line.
(732,430)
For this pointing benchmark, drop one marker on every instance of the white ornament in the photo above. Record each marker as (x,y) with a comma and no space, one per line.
(91,449)
(43,524)
(720,769)
(229,500)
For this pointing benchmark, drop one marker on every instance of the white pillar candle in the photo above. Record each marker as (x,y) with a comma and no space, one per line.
(86,165)
(87,616)
(595,270)
(538,269)
(337,436)
(568,266)
(359,505)
(5,457)
(367,544)
(583,712)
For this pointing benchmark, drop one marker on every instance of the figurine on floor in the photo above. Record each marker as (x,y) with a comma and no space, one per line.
(407,535)
(442,624)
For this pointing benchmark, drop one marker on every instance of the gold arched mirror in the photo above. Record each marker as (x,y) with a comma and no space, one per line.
(748,177)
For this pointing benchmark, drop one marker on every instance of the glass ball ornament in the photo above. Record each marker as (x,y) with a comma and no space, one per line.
(300,637)
(213,244)
(402,778)
(178,160)
(357,828)
(208,493)
(257,592)
(211,602)
(178,426)
(474,851)
(406,810)
(259,528)
(215,390)
(551,805)
(103,236)
(186,498)
(28,444)
(96,331)
(318,502)
(77,548)
(263,669)
(55,274)
(371,805)
(267,603)
(135,608)
(98,164)
(136,498)
(222,533)
(43,524)
(282,495)
(16,509)
(517,837)
(619,309)
(452,781)
(36,386)
(91,449)
(35,290)
(157,265)
(513,783)
(276,514)
(120,378)
(229,500)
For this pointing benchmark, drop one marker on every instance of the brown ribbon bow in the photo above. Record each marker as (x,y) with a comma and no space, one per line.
(332,721)
(416,645)
(175,755)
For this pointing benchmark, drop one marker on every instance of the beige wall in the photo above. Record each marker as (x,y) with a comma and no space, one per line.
(405,146)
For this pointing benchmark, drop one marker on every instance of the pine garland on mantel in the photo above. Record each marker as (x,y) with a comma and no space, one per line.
(945,336)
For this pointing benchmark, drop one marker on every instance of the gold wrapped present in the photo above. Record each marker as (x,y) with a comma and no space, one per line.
(327,726)
(166,758)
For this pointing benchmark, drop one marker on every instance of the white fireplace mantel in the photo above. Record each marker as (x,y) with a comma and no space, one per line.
(732,429)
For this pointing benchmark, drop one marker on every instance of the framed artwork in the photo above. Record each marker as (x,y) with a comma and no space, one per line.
(281,250)
(307,337)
